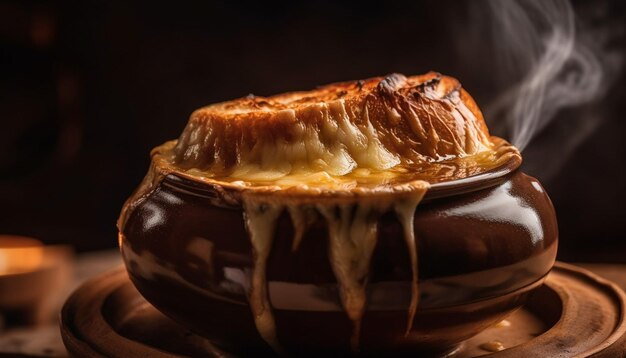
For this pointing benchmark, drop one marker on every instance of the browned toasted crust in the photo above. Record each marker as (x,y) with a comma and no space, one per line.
(414,119)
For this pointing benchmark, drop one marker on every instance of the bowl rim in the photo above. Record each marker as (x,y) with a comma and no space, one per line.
(232,193)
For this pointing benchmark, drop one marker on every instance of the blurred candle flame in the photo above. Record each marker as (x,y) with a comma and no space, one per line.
(19,255)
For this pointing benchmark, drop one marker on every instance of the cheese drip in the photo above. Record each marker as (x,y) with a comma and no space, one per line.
(352,239)
(260,222)
(405,210)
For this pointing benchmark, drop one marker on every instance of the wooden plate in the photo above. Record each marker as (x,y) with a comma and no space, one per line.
(574,314)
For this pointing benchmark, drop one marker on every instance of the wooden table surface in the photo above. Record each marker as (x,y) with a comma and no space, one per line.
(46,341)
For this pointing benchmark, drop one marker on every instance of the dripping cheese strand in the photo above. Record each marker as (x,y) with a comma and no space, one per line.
(260,219)
(302,217)
(352,239)
(405,211)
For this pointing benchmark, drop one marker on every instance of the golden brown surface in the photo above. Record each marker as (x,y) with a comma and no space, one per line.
(360,133)
(374,123)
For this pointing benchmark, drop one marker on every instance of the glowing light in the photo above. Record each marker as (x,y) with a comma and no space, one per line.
(19,255)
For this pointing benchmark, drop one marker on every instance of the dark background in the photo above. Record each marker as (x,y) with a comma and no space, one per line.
(87,88)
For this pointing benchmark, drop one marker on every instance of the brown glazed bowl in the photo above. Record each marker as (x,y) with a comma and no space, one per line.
(484,244)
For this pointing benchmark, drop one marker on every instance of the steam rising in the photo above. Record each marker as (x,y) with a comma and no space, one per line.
(537,42)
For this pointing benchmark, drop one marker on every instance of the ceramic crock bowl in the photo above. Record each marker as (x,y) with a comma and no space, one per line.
(484,244)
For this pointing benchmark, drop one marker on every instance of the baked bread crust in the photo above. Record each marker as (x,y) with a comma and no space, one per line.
(374,124)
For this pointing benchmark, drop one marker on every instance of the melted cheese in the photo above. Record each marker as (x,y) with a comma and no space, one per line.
(310,180)
(352,238)
(405,210)
(260,223)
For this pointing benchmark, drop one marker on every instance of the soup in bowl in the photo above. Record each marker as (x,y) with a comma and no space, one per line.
(374,217)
